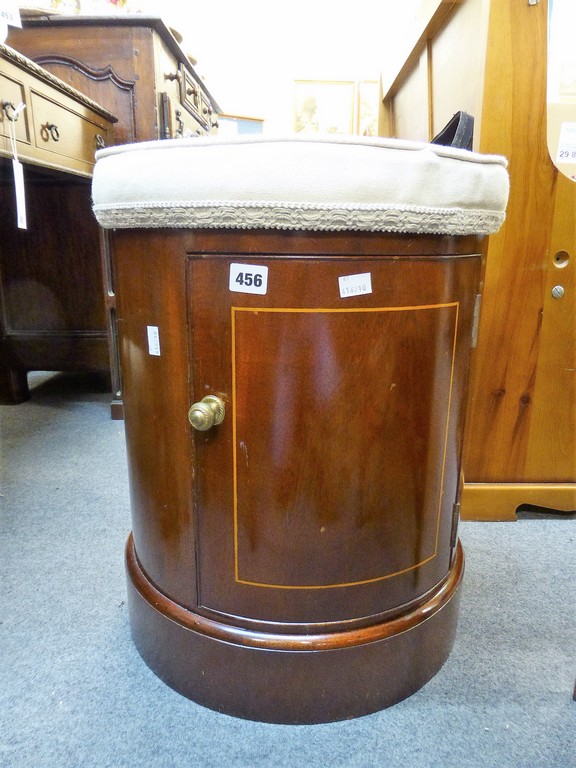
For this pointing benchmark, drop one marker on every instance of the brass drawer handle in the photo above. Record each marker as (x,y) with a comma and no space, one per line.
(207,413)
(50,131)
(11,111)
(173,76)
(100,143)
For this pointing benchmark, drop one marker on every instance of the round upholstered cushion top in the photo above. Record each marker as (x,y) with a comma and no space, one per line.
(300,183)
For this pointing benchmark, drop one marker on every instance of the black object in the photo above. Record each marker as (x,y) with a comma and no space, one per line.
(459,132)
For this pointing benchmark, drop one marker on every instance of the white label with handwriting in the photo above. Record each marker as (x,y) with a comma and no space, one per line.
(9,13)
(567,145)
(355,285)
(153,340)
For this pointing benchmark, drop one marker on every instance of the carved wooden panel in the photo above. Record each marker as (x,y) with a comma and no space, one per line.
(103,85)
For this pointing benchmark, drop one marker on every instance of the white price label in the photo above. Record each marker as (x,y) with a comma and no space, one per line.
(153,340)
(567,144)
(355,285)
(248,278)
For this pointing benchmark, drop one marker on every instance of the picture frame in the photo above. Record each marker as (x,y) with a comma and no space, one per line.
(367,107)
(324,106)
(336,106)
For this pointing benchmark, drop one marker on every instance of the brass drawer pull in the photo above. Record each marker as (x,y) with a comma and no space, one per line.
(173,76)
(11,111)
(100,143)
(50,131)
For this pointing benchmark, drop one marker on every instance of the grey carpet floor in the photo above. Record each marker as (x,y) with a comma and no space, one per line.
(74,692)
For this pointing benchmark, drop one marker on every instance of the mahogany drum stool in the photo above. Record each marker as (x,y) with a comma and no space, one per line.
(295,321)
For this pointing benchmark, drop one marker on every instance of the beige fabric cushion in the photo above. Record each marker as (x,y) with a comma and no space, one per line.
(300,183)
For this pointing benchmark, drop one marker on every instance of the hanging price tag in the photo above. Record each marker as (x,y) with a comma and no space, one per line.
(17,169)
(20,195)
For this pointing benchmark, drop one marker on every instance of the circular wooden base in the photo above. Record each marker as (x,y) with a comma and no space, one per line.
(294,679)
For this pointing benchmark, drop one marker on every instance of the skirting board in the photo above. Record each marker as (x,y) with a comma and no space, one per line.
(499,501)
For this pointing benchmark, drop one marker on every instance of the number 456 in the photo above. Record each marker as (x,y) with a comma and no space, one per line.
(248,279)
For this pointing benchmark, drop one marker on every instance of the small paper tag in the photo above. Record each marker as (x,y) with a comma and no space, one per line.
(153,340)
(355,285)
(9,13)
(248,278)
(20,194)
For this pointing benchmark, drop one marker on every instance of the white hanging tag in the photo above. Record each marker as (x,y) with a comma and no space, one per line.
(20,194)
(18,170)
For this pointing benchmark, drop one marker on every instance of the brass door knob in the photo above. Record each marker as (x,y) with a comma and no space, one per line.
(207,413)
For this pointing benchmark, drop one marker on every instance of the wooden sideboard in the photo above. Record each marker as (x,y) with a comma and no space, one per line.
(488,57)
(135,67)
(51,299)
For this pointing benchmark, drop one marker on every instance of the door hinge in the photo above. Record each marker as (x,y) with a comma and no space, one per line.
(476,320)
(455,521)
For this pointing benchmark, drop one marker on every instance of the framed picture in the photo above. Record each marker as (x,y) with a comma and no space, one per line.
(367,108)
(324,106)
(336,106)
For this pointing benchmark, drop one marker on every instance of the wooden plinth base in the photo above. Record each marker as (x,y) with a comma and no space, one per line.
(499,501)
(293,679)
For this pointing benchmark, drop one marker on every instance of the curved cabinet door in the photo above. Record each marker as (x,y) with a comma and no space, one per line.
(327,492)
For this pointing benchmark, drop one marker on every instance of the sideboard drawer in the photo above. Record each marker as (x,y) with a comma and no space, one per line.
(11,95)
(58,127)
(177,121)
(72,135)
(194,99)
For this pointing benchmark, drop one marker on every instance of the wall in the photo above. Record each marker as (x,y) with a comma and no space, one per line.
(251,52)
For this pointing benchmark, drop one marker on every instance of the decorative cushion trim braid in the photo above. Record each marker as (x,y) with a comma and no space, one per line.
(236,215)
(335,184)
